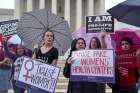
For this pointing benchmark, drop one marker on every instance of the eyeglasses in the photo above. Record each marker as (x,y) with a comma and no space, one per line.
(80,43)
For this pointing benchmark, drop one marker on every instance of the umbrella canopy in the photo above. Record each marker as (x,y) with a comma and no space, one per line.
(33,24)
(127,12)
(81,33)
(125,32)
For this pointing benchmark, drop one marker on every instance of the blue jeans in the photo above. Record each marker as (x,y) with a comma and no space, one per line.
(4,79)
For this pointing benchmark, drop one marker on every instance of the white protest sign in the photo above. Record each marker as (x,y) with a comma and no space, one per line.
(93,63)
(17,66)
(39,74)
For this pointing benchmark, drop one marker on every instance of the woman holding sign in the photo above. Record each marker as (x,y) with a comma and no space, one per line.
(127,66)
(19,52)
(75,87)
(95,43)
(46,53)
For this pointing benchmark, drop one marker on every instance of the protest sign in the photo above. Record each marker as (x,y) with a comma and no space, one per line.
(96,24)
(38,74)
(8,28)
(17,67)
(93,66)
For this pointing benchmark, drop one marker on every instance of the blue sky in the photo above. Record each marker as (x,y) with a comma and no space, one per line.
(10,3)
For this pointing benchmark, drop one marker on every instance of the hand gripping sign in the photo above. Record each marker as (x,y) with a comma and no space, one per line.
(38,74)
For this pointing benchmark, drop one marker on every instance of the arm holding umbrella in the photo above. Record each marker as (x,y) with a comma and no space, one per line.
(36,48)
(34,56)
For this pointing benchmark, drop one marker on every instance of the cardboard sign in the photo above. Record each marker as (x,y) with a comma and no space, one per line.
(96,24)
(39,75)
(93,66)
(8,28)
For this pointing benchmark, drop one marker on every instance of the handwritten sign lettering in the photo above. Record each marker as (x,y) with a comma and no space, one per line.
(39,74)
(93,64)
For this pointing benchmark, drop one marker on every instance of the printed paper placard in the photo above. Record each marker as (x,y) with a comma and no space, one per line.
(96,24)
(8,28)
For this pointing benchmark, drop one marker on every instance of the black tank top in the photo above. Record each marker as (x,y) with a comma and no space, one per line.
(49,56)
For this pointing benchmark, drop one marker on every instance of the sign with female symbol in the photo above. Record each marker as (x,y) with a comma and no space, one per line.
(38,74)
(29,66)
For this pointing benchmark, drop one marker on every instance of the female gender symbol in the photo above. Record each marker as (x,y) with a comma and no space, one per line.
(29,65)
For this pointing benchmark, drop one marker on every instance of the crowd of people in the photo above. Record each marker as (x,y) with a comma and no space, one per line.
(126,65)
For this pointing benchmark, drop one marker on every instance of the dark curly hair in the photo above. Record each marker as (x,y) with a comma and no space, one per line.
(127,39)
(73,44)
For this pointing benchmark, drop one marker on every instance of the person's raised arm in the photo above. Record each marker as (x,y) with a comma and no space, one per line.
(103,42)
